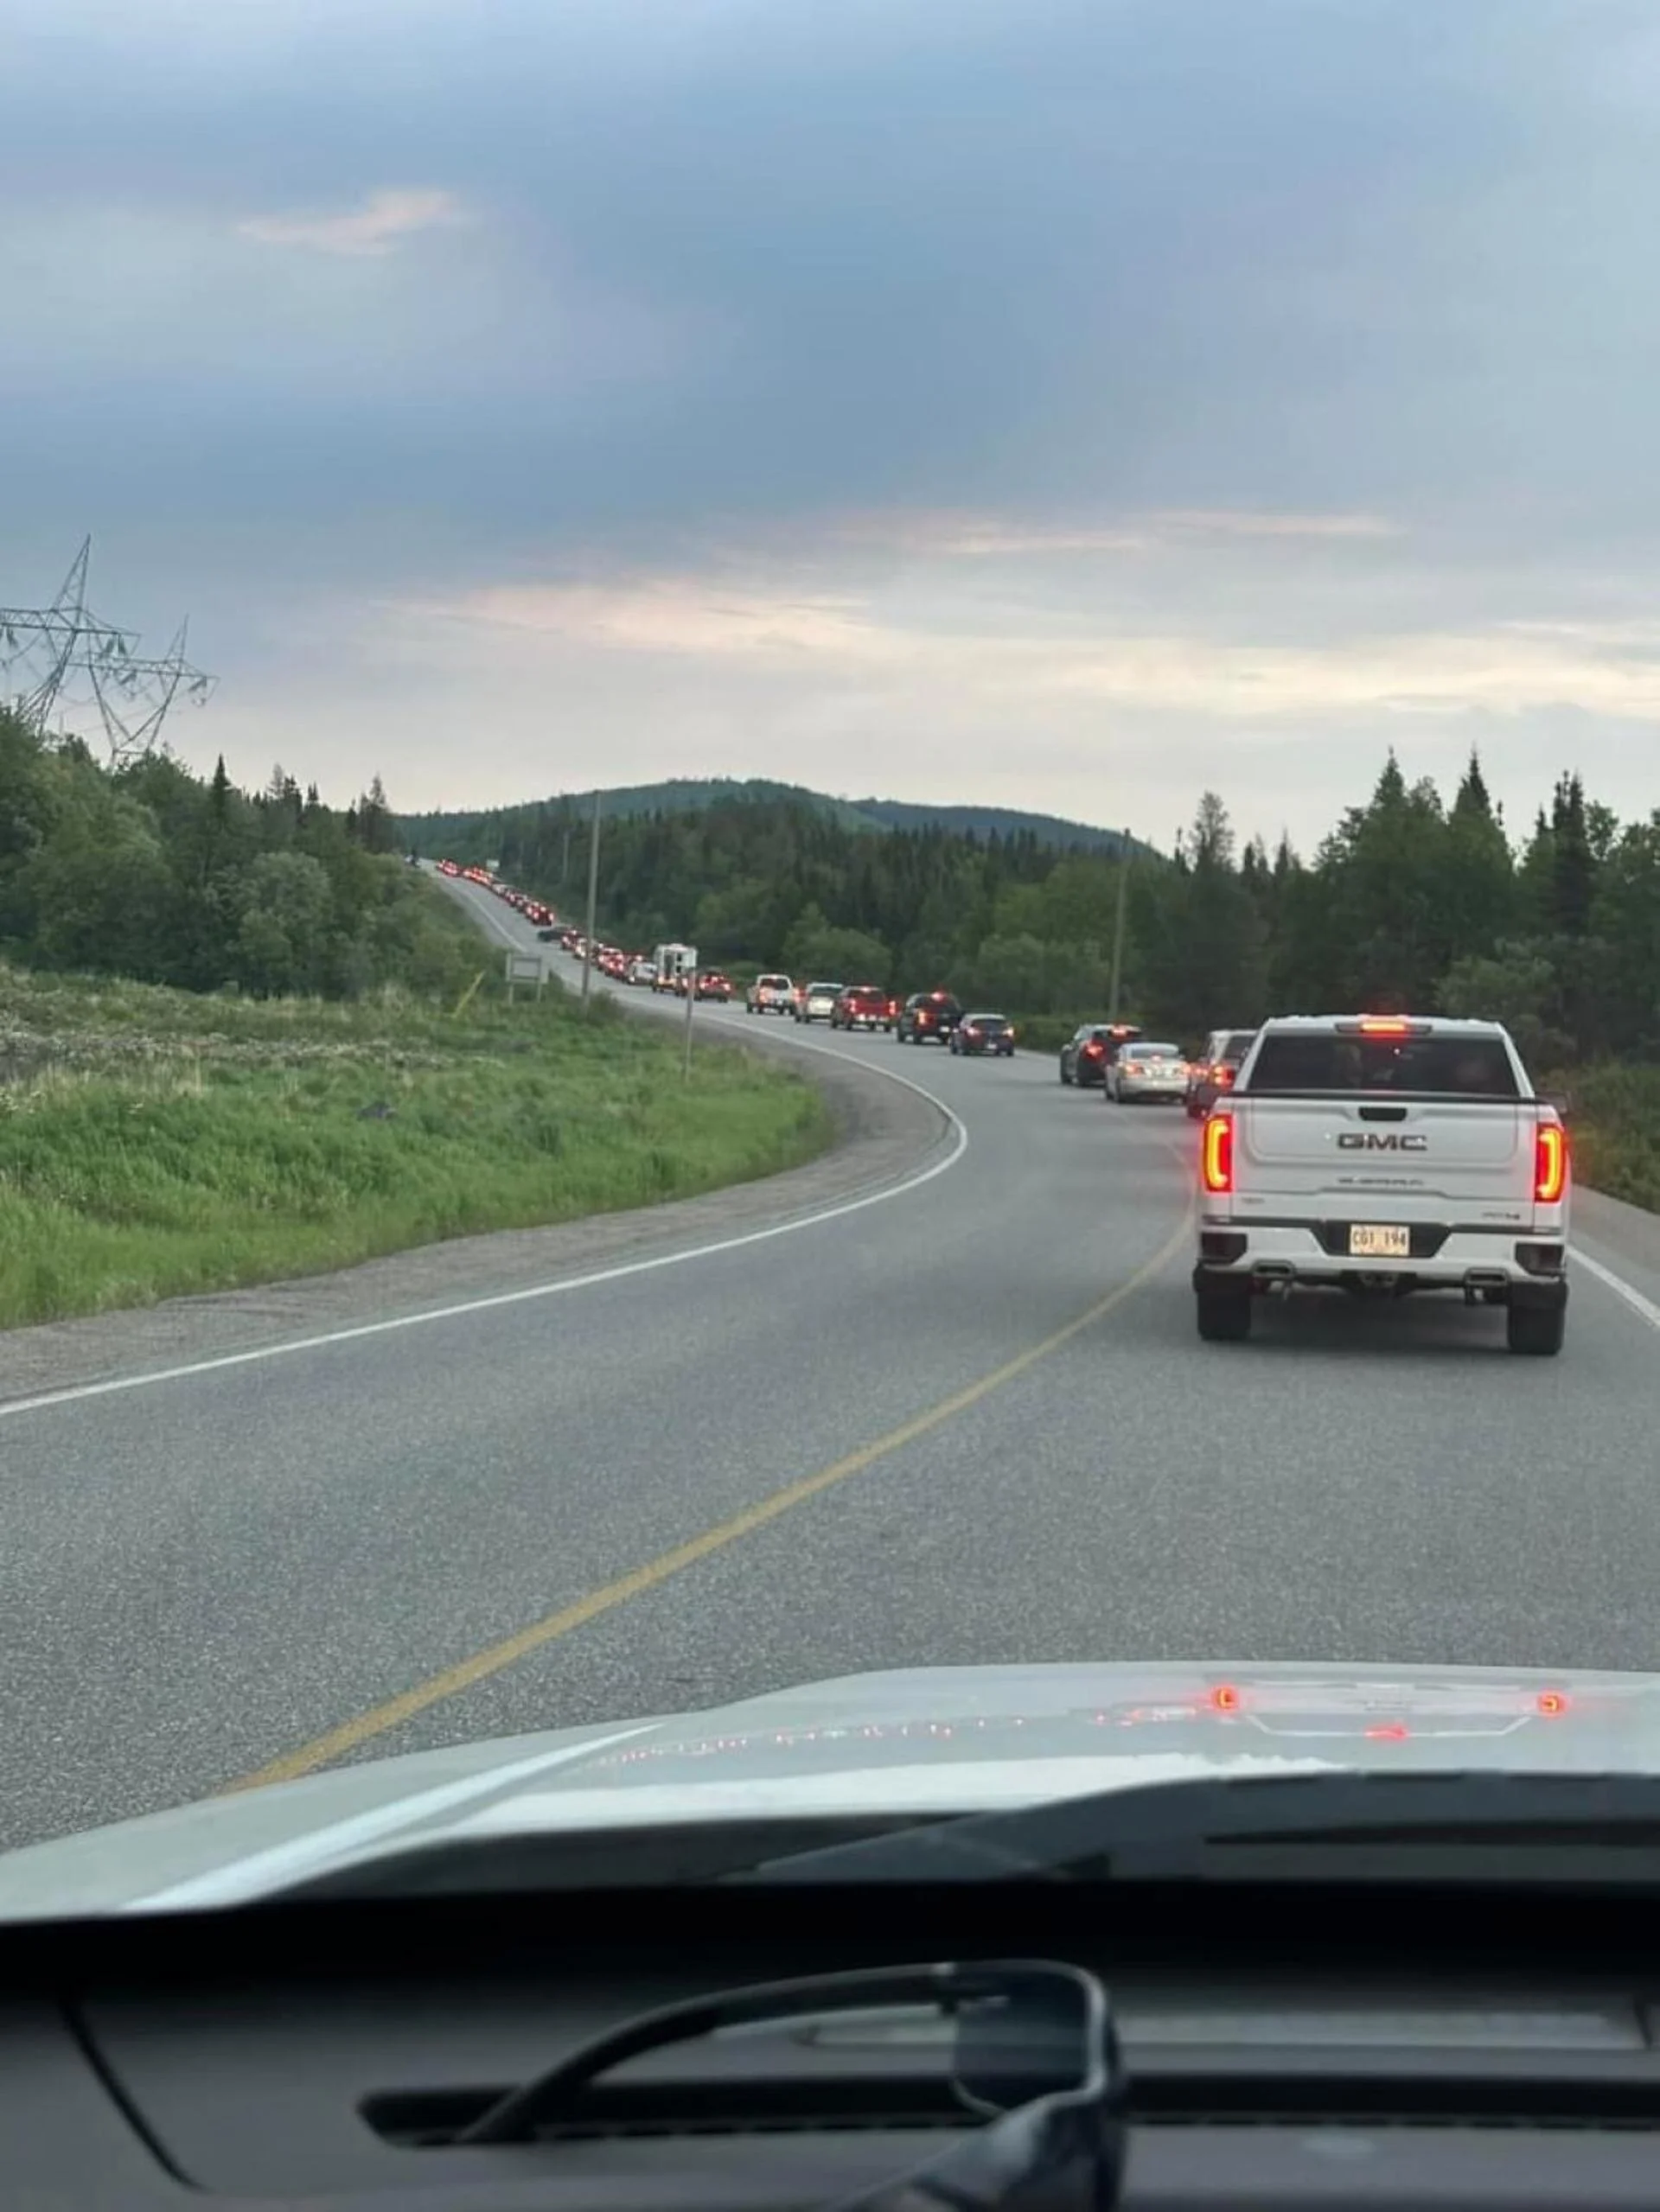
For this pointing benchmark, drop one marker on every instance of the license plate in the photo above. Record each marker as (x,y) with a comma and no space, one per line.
(1379,1240)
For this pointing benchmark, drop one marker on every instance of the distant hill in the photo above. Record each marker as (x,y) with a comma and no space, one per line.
(688,794)
(980,822)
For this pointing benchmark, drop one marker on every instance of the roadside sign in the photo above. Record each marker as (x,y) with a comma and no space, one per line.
(525,967)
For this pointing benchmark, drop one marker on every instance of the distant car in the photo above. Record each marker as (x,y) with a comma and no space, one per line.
(548,936)
(641,970)
(770,994)
(1086,1052)
(711,983)
(448,868)
(1217,1069)
(990,1035)
(863,1006)
(818,1002)
(928,1015)
(1147,1070)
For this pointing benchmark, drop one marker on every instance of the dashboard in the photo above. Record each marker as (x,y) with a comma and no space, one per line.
(1283,2047)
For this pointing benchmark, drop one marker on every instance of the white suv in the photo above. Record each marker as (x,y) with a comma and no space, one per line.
(1383,1155)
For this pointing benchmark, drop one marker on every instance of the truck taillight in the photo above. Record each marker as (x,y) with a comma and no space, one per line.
(1549,1162)
(1218,1154)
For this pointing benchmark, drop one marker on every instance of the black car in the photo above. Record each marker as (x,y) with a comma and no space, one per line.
(1086,1052)
(992,1034)
(927,1015)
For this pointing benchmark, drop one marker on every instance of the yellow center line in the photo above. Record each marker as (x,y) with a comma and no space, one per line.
(334,1743)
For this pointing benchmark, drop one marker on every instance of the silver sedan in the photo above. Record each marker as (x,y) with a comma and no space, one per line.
(1142,1070)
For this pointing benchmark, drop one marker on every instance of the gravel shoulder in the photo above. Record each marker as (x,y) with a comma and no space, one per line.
(884,1132)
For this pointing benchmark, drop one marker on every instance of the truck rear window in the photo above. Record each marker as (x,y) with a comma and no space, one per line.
(1433,1066)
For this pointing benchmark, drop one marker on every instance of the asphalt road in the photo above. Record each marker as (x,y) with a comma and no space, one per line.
(970,1422)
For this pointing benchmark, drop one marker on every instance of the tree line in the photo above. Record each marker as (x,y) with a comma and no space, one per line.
(1409,902)
(154,872)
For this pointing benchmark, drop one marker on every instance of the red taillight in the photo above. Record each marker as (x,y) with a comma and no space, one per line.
(1377,1025)
(1094,1051)
(1224,1077)
(1218,1152)
(1224,1698)
(1552,1704)
(1549,1162)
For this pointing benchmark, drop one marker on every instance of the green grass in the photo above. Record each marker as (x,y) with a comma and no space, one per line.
(153,1143)
(1613,1118)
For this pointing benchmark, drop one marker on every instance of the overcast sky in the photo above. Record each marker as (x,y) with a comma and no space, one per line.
(1062,404)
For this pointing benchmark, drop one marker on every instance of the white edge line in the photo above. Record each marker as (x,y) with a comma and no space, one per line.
(115,1384)
(1645,1307)
(263,1870)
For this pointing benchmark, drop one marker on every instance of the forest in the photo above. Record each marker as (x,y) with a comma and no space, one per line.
(158,873)
(1411,901)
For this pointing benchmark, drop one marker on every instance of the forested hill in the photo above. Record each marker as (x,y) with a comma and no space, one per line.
(475,835)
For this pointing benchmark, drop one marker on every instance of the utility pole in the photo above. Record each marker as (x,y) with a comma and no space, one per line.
(593,904)
(691,1001)
(1118,925)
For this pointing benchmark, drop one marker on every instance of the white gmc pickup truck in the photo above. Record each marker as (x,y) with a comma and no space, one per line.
(1382,1155)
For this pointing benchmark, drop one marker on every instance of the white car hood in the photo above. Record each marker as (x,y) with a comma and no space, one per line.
(934,1740)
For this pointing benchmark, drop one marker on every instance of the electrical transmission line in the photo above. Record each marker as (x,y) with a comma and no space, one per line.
(64,653)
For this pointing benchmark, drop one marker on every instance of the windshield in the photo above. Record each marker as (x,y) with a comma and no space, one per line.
(1435,1066)
(1124,528)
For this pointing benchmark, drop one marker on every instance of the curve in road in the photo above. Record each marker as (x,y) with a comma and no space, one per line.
(970,1423)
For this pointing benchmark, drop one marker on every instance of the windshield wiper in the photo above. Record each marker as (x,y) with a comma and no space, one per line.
(1469,1826)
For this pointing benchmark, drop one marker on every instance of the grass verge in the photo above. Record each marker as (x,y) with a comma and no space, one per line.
(155,1143)
(1613,1118)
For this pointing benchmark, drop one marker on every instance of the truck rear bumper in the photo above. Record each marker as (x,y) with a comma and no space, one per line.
(1523,1269)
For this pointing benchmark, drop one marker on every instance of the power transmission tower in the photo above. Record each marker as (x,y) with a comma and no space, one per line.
(65,653)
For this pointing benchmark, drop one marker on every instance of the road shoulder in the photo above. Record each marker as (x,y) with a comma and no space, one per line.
(1625,1238)
(886,1132)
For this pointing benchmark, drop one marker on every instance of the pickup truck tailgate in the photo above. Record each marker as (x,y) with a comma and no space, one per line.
(1434,1160)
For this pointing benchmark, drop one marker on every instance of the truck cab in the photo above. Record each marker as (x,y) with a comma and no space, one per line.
(1382,1156)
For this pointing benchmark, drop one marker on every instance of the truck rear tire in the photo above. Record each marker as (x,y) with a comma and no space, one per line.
(1536,1331)
(1224,1315)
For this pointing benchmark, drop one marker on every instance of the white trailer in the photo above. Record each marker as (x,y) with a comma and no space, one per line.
(674,961)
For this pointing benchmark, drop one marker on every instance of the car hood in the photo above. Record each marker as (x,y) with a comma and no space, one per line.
(938,1740)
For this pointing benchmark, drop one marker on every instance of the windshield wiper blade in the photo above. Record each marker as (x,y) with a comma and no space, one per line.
(1603,1825)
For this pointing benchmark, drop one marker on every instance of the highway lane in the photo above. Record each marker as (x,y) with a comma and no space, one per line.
(204,1577)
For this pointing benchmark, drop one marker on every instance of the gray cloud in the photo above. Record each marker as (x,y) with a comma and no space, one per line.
(942,316)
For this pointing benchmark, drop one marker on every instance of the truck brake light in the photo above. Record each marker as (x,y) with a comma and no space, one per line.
(1217,1156)
(1549,1162)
